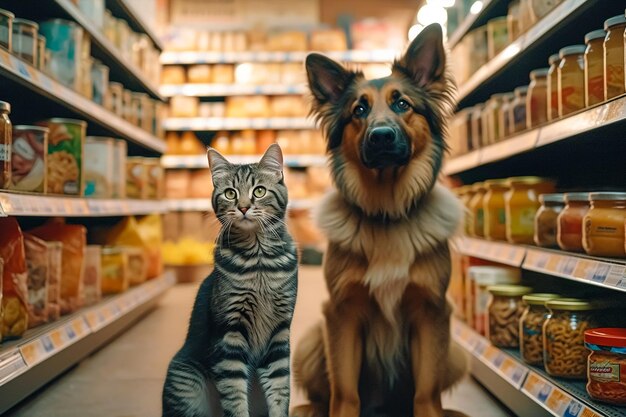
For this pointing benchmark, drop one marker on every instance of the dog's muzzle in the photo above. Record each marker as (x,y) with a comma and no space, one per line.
(384,147)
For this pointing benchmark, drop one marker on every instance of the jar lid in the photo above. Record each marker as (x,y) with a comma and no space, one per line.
(570,304)
(552,198)
(64,121)
(607,196)
(607,336)
(26,22)
(5,107)
(553,59)
(98,139)
(499,96)
(576,197)
(509,290)
(521,90)
(30,128)
(596,34)
(493,275)
(7,13)
(527,180)
(572,50)
(539,72)
(478,186)
(539,298)
(620,19)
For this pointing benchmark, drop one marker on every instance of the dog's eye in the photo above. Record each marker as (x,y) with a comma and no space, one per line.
(359,110)
(230,194)
(403,105)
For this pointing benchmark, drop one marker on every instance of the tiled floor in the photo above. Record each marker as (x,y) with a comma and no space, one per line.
(125,378)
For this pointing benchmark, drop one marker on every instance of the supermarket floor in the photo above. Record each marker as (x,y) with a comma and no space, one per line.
(124,379)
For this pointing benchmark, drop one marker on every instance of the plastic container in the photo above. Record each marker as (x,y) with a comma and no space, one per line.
(99,154)
(571,79)
(518,109)
(531,325)
(521,205)
(553,87)
(64,39)
(493,209)
(477,210)
(6,143)
(569,234)
(505,310)
(6,29)
(546,219)
(603,231)
(606,365)
(594,67)
(24,41)
(614,56)
(537,98)
(504,116)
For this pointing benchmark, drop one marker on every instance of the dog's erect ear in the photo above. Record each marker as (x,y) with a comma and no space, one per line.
(327,79)
(272,161)
(218,164)
(425,58)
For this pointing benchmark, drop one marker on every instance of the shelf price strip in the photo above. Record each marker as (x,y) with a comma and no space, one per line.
(11,365)
(494,251)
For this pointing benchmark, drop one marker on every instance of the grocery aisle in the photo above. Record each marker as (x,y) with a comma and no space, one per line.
(128,373)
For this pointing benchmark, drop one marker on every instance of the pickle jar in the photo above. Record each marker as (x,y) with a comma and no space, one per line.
(24,42)
(518,109)
(571,79)
(492,112)
(569,233)
(531,325)
(6,143)
(505,310)
(546,219)
(493,209)
(6,29)
(564,353)
(537,98)
(504,116)
(553,87)
(614,56)
(603,225)
(521,203)
(477,211)
(606,364)
(594,67)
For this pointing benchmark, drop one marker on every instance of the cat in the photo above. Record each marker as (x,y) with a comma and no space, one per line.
(238,333)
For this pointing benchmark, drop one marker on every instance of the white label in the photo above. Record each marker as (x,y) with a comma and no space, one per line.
(5,153)
(24,45)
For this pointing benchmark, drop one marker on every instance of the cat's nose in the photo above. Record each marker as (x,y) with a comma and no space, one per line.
(243,209)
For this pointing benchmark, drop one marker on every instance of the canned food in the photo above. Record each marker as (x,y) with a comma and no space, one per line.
(99,155)
(99,83)
(24,42)
(136,178)
(116,91)
(28,159)
(64,41)
(119,169)
(155,176)
(6,28)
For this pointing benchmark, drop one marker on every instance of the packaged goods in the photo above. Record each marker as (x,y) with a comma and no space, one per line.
(119,168)
(571,81)
(136,178)
(569,233)
(199,74)
(594,67)
(479,47)
(190,144)
(92,278)
(6,29)
(531,327)
(491,112)
(129,106)
(28,159)
(287,41)
(14,280)
(546,219)
(521,205)
(328,40)
(177,183)
(6,143)
(73,238)
(200,184)
(477,129)
(138,102)
(55,273)
(37,261)
(288,106)
(151,232)
(248,106)
(505,310)
(183,106)
(223,74)
(137,265)
(518,109)
(116,92)
(41,53)
(173,74)
(24,40)
(93,10)
(538,9)
(66,142)
(100,83)
(504,116)
(64,40)
(613,56)
(221,143)
(115,275)
(553,87)
(513,20)
(146,116)
(466,199)
(493,210)
(172,142)
(603,225)
(537,98)
(497,36)
(99,155)
(477,210)
(606,366)
(154,182)
(86,85)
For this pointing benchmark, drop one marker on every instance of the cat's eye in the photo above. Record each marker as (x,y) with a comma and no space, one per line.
(230,194)
(259,192)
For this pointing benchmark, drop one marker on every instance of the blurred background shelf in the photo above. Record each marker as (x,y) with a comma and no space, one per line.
(200,161)
(201,57)
(217,123)
(225,90)
(477,17)
(126,10)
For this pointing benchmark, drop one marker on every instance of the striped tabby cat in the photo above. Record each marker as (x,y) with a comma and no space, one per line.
(239,329)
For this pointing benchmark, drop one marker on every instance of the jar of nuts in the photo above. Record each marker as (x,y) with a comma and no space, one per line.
(564,350)
(505,309)
(530,327)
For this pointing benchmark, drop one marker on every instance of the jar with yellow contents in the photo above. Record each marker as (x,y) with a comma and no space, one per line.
(553,87)
(493,209)
(465,194)
(477,211)
(594,67)
(571,79)
(521,203)
(614,56)
(603,225)
(546,219)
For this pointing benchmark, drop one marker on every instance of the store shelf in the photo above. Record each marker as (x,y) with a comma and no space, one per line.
(200,161)
(501,369)
(608,273)
(587,122)
(200,57)
(472,21)
(50,205)
(46,352)
(204,204)
(14,69)
(124,9)
(233,123)
(225,90)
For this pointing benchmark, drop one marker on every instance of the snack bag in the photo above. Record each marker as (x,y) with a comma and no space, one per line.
(92,292)
(55,272)
(14,286)
(151,230)
(38,274)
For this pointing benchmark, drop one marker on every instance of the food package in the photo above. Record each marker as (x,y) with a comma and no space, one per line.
(328,40)
(14,280)
(28,159)
(173,74)
(55,273)
(248,106)
(254,73)
(190,144)
(151,231)
(264,139)
(172,143)
(171,226)
(200,74)
(99,155)
(154,183)
(119,169)
(288,106)
(223,74)
(115,275)
(177,183)
(64,42)
(136,178)
(200,185)
(288,41)
(37,261)
(92,293)
(137,265)
(221,143)
(74,239)
(184,106)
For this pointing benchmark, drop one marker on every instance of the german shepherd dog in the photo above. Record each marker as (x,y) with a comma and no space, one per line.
(384,347)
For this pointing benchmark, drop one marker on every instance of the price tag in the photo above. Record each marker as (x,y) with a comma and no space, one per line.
(573,409)
(557,401)
(480,347)
(92,320)
(601,272)
(57,338)
(11,365)
(5,59)
(584,269)
(616,275)
(79,327)
(21,67)
(34,352)
(537,387)
(553,263)
(587,412)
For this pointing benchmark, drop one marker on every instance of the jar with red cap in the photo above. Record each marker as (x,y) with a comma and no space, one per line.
(606,365)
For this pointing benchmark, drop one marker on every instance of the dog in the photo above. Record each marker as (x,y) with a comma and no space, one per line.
(384,348)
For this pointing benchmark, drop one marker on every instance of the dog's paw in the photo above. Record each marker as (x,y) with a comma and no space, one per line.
(307,410)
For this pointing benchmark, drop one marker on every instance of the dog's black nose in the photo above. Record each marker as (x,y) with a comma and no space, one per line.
(381,137)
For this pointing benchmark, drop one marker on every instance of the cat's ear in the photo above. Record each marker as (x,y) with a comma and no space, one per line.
(218,164)
(272,160)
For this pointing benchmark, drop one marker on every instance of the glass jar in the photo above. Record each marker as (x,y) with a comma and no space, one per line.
(537,98)
(6,29)
(603,231)
(531,325)
(546,219)
(493,209)
(521,203)
(569,232)
(86,87)
(504,116)
(518,109)
(41,53)
(116,91)
(6,143)
(571,79)
(468,193)
(497,36)
(492,115)
(505,310)
(24,42)
(553,87)
(594,67)
(564,352)
(483,277)
(477,210)
(477,128)
(513,20)
(613,56)
(606,365)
